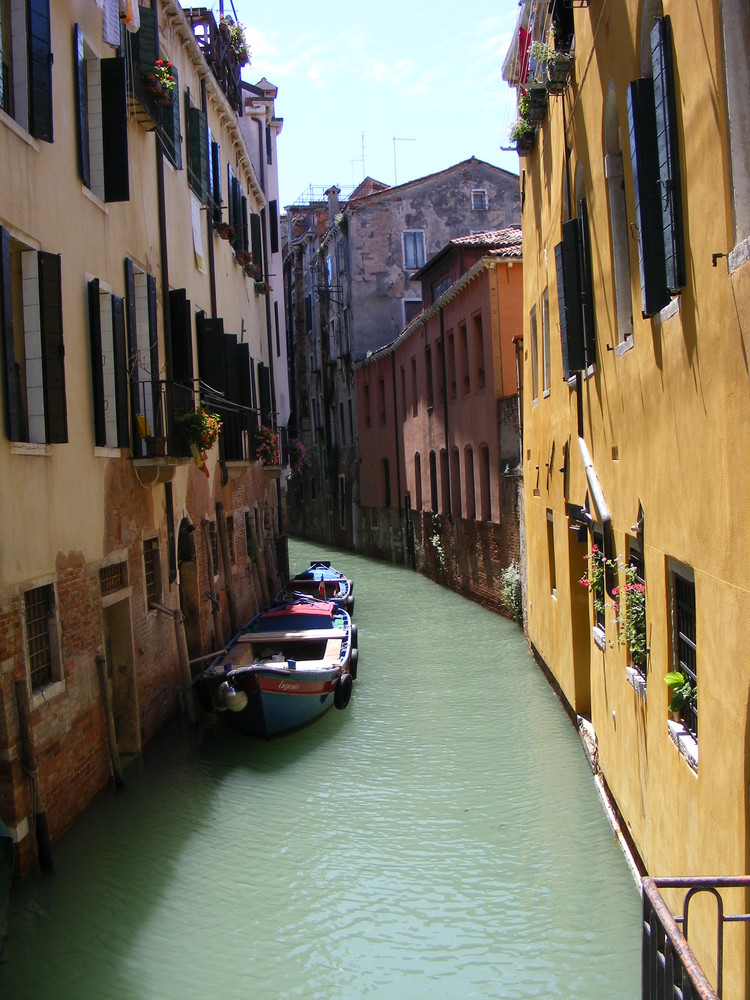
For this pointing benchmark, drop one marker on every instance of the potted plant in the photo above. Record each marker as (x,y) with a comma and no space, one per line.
(200,431)
(234,32)
(523,133)
(296,453)
(159,81)
(243,257)
(630,617)
(262,287)
(681,689)
(224,230)
(533,104)
(266,445)
(554,67)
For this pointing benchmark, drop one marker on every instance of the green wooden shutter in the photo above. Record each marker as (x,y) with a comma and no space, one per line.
(198,153)
(264,389)
(645,161)
(182,350)
(115,130)
(567,256)
(132,353)
(159,425)
(560,272)
(97,368)
(216,180)
(82,121)
(232,432)
(243,219)
(53,349)
(669,153)
(39,51)
(10,383)
(257,242)
(274,209)
(212,364)
(171,136)
(586,285)
(121,370)
(145,42)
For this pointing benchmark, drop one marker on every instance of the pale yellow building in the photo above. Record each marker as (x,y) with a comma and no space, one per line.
(125,304)
(636,223)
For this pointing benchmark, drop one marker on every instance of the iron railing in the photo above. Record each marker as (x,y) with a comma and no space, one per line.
(218,53)
(670,970)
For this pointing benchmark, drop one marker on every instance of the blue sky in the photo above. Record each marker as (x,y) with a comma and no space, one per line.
(352,77)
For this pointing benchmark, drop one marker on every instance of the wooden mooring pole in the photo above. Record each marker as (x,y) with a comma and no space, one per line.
(109,717)
(28,762)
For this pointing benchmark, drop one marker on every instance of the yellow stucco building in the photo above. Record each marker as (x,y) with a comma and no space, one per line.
(636,220)
(129,145)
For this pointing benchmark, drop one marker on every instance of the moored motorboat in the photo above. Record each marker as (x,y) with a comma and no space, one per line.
(285,668)
(320,579)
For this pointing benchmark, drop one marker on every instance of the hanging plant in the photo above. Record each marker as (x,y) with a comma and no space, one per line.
(296,452)
(630,617)
(200,428)
(266,444)
(234,32)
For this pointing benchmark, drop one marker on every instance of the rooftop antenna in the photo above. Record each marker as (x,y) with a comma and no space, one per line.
(395,140)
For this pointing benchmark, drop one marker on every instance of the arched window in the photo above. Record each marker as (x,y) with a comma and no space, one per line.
(418,481)
(433,483)
(455,483)
(471,506)
(485,493)
(618,220)
(386,482)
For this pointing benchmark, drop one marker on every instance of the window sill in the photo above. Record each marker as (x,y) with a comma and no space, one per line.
(46,694)
(105,452)
(94,199)
(685,743)
(668,311)
(637,681)
(625,345)
(739,256)
(546,393)
(599,637)
(29,448)
(22,134)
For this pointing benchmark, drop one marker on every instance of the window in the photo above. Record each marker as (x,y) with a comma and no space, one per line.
(32,340)
(545,343)
(618,219)
(551,553)
(684,648)
(26,65)
(451,360)
(101,106)
(341,256)
(635,609)
(342,501)
(367,405)
(42,636)
(381,401)
(214,179)
(230,539)
(471,505)
(197,153)
(654,151)
(433,483)
(440,286)
(414,396)
(109,367)
(418,481)
(413,249)
(428,375)
(143,352)
(171,141)
(445,497)
(455,470)
(386,482)
(403,394)
(463,345)
(113,578)
(479,200)
(478,337)
(599,589)
(484,482)
(574,294)
(534,357)
(273,223)
(342,425)
(412,308)
(152,571)
(735,29)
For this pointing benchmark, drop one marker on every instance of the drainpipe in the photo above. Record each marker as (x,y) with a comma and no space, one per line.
(395,433)
(445,413)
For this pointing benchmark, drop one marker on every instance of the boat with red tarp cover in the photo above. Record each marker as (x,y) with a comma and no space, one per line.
(285,668)
(320,579)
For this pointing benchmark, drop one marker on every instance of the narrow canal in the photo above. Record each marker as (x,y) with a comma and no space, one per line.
(440,838)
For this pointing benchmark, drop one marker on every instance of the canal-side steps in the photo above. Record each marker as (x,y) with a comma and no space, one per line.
(290,663)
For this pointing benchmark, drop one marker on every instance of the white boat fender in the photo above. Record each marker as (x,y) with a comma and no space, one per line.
(235,701)
(343,691)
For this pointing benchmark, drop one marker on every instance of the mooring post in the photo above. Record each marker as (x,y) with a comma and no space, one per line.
(28,762)
(182,652)
(109,717)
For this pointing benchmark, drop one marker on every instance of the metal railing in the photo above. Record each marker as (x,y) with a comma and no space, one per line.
(670,970)
(218,53)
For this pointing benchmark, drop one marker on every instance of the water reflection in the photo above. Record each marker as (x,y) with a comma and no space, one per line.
(439,838)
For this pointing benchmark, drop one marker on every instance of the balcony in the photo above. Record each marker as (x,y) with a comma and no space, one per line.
(218,53)
(670,970)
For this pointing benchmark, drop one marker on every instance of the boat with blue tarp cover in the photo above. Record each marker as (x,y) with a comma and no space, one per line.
(320,579)
(285,668)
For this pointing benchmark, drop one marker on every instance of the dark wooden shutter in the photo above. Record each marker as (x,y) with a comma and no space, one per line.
(97,367)
(257,242)
(182,350)
(231,216)
(115,130)
(232,431)
(669,153)
(82,122)
(53,349)
(39,69)
(121,370)
(198,153)
(645,160)
(569,298)
(10,383)
(264,390)
(144,43)
(586,285)
(159,428)
(216,180)
(212,364)
(171,136)
(274,222)
(243,218)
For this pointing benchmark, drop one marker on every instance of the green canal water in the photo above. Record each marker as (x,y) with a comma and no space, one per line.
(440,838)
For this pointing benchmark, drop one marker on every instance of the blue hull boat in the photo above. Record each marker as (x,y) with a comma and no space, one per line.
(321,580)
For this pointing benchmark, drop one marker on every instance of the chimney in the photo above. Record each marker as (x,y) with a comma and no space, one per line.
(333,203)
